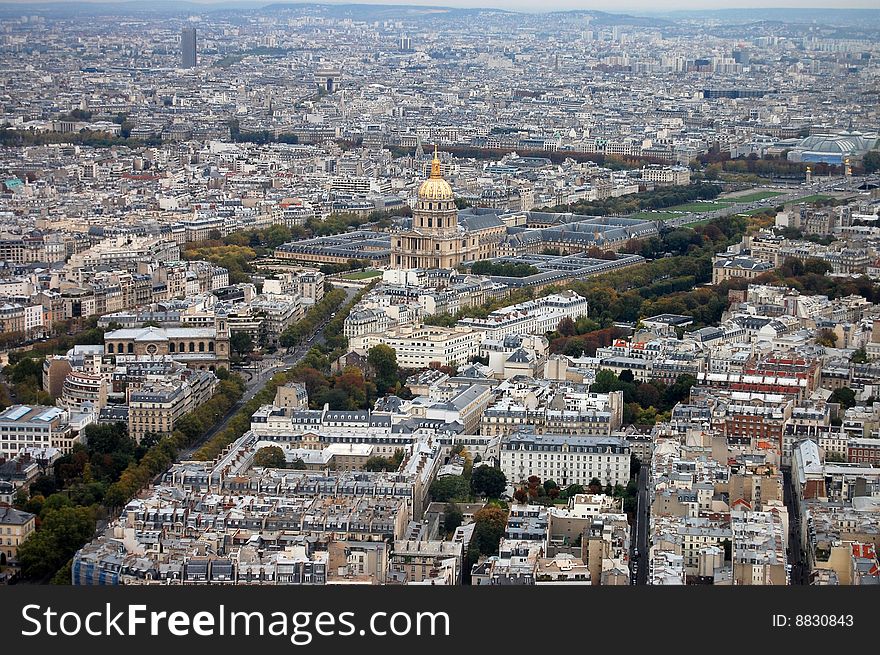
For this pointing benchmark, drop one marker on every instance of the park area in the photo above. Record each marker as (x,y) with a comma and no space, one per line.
(361,275)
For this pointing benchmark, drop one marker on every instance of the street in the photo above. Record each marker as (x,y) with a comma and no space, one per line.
(642,527)
(799,572)
(258,380)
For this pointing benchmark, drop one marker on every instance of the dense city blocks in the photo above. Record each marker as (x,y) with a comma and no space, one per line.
(348,294)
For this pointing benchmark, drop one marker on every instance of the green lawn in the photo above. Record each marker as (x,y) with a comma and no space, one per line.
(754,197)
(813,198)
(361,275)
(701,206)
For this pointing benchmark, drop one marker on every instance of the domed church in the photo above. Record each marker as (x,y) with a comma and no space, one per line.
(436,240)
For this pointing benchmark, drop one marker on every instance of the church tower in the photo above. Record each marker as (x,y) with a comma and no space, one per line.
(435,211)
(435,240)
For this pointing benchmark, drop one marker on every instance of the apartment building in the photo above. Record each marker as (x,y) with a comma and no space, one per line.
(15,527)
(666,175)
(417,561)
(156,406)
(424,345)
(566,459)
(533,317)
(759,548)
(39,426)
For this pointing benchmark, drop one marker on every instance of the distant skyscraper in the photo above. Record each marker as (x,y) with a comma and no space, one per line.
(188,47)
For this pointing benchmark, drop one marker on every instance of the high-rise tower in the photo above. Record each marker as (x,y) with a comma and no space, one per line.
(188,47)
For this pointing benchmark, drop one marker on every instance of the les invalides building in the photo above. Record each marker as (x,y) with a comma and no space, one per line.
(436,240)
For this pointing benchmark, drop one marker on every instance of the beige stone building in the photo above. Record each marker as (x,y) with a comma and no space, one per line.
(726,268)
(203,348)
(156,406)
(15,527)
(436,240)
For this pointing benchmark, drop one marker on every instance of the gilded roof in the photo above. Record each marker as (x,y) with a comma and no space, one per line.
(435,187)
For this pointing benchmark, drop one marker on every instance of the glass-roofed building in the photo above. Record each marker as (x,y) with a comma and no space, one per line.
(833,148)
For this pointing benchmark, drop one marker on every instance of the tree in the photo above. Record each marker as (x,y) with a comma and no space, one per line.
(452,518)
(871,161)
(449,487)
(43,485)
(488,481)
(844,396)
(241,343)
(379,463)
(270,457)
(680,390)
(62,532)
(489,528)
(792,267)
(298,464)
(647,395)
(827,338)
(566,327)
(860,356)
(383,359)
(573,490)
(817,266)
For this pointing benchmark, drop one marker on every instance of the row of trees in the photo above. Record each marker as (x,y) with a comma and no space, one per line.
(24,138)
(320,312)
(629,204)
(163,453)
(488,267)
(101,475)
(240,422)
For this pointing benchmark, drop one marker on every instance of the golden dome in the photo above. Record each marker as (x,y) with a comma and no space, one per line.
(435,187)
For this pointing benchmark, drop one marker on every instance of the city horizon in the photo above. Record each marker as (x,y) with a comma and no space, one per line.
(300,297)
(530,6)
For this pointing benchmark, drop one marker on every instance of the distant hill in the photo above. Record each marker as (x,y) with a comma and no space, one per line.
(832,16)
(606,18)
(863,18)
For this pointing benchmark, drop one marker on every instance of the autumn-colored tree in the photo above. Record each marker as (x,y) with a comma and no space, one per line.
(489,528)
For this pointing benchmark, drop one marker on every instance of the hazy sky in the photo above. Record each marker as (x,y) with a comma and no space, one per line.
(550,5)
